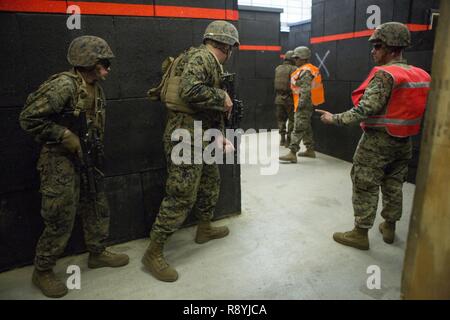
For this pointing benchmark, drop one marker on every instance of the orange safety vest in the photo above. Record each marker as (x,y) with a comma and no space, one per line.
(407,103)
(317,91)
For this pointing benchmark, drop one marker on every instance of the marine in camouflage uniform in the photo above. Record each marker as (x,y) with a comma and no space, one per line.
(50,115)
(302,118)
(380,160)
(193,186)
(283,99)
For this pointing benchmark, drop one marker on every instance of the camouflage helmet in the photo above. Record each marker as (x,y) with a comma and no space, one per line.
(302,53)
(222,31)
(393,34)
(86,51)
(288,55)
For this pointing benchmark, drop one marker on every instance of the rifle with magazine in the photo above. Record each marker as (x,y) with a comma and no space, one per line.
(228,84)
(92,159)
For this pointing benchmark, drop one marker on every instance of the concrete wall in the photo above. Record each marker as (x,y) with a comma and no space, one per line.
(34,47)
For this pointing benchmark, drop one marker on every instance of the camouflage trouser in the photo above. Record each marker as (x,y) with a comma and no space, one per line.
(285,112)
(302,129)
(189,186)
(379,161)
(61,200)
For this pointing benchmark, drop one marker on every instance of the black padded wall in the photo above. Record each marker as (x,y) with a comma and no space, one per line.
(284,41)
(299,34)
(348,61)
(33,48)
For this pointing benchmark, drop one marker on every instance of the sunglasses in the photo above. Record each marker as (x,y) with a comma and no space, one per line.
(105,63)
(377,46)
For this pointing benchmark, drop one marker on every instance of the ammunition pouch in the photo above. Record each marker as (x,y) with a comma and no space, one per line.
(172,97)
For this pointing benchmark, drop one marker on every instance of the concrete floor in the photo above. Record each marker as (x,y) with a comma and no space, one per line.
(281,247)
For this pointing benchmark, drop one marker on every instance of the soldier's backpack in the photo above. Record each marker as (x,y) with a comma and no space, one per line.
(154,94)
(283,77)
(168,89)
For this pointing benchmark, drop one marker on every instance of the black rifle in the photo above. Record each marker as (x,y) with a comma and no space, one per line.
(228,84)
(233,120)
(91,163)
(92,149)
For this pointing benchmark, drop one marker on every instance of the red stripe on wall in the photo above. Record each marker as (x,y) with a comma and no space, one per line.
(364,33)
(333,37)
(114,9)
(259,48)
(191,12)
(232,15)
(33,6)
(118,9)
(418,27)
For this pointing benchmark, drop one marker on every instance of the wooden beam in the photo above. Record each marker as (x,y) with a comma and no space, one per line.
(426,271)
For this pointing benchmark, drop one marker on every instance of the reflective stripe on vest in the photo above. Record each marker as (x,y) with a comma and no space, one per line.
(414,85)
(383,121)
(317,90)
(407,102)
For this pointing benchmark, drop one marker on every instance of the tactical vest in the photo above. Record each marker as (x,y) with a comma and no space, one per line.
(317,90)
(407,103)
(168,91)
(67,116)
(283,77)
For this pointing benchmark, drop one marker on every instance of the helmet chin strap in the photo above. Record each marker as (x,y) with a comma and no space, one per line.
(226,50)
(230,52)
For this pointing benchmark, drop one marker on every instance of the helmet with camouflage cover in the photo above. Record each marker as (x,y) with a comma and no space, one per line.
(86,51)
(222,31)
(392,34)
(288,55)
(302,53)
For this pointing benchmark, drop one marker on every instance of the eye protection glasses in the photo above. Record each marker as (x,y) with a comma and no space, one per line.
(377,46)
(105,63)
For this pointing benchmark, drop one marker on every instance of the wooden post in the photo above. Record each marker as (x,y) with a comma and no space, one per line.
(426,270)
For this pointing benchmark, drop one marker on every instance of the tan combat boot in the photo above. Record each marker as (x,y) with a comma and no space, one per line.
(290,157)
(154,261)
(387,229)
(206,232)
(107,259)
(47,282)
(357,238)
(310,153)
